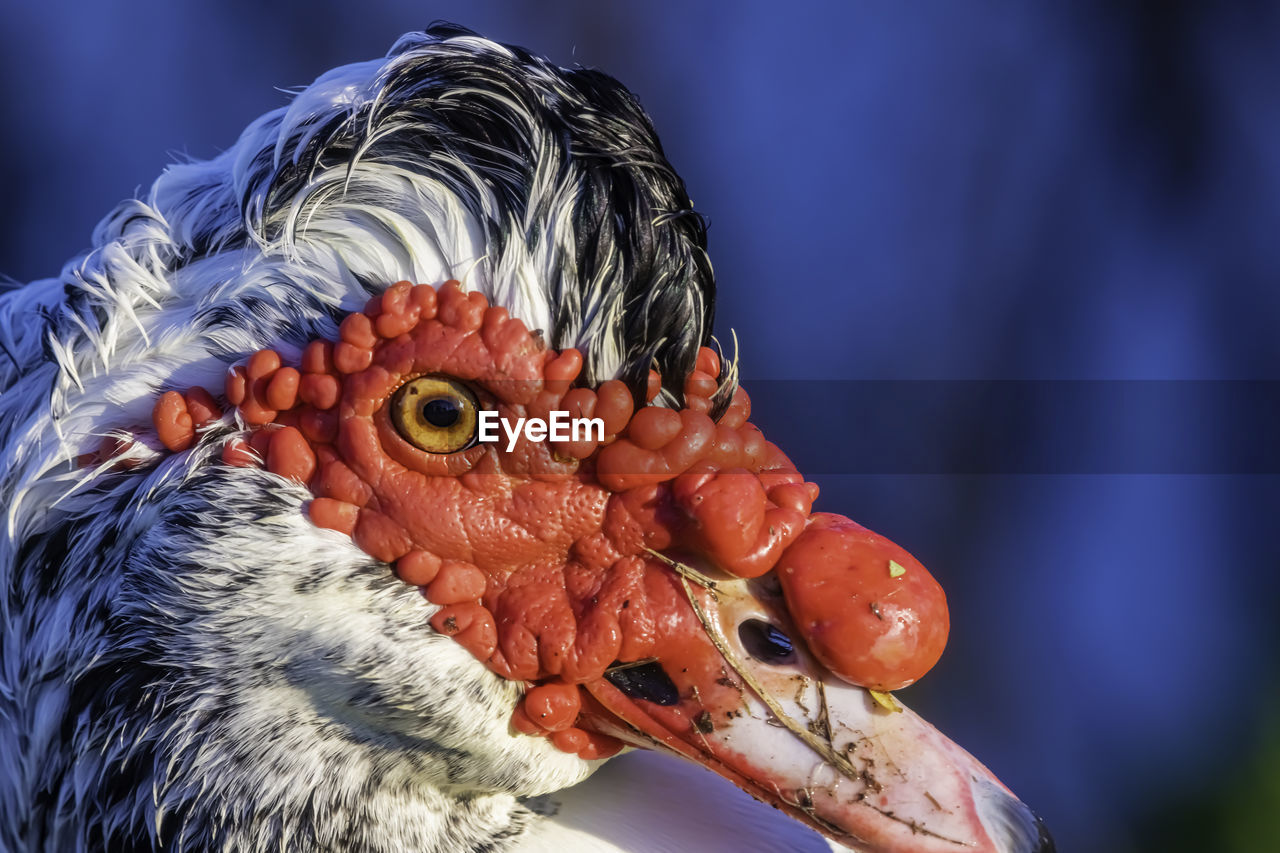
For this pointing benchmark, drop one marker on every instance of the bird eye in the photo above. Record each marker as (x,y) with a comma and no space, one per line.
(648,681)
(436,413)
(766,643)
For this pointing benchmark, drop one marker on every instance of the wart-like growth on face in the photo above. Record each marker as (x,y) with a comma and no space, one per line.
(551,556)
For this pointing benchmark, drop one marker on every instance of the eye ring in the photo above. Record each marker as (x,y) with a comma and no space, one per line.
(436,413)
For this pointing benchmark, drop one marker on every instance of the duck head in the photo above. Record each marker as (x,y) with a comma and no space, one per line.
(377,474)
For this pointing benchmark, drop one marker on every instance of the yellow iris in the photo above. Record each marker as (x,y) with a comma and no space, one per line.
(436,413)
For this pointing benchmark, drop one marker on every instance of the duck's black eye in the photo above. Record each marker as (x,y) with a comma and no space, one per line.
(648,681)
(442,412)
(766,643)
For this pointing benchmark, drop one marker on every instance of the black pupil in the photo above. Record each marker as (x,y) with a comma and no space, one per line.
(765,642)
(442,412)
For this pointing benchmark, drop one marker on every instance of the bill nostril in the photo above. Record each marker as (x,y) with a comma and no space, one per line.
(766,643)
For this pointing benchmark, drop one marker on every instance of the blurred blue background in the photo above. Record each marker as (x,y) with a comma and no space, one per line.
(980,191)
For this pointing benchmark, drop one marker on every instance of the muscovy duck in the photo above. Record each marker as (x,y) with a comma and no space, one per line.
(265,588)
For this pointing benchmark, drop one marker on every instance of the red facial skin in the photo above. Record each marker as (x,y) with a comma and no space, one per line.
(540,556)
(867,608)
